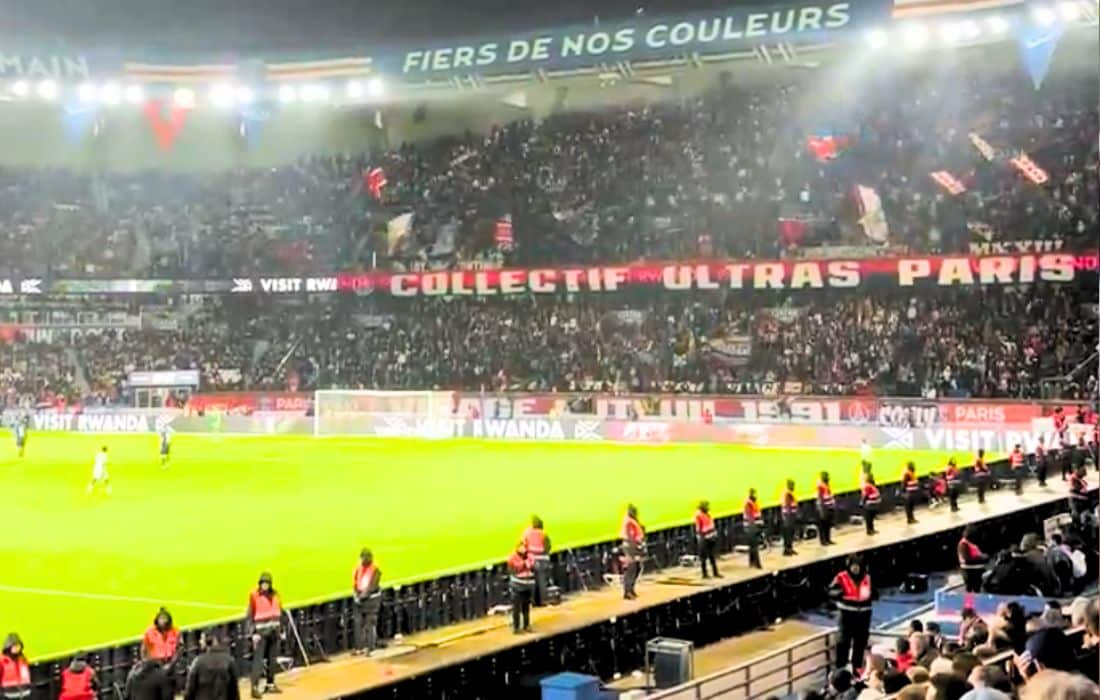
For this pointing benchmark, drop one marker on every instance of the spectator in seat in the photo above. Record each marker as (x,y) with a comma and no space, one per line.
(903,657)
(946,686)
(963,663)
(991,678)
(1059,685)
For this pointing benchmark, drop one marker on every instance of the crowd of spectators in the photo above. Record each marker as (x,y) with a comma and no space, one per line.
(1011,655)
(986,342)
(707,176)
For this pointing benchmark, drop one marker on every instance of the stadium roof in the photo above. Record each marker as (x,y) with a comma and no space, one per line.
(253,25)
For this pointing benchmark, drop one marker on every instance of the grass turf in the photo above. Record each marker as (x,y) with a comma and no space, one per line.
(83,571)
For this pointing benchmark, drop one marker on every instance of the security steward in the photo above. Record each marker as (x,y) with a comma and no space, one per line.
(1016,467)
(632,535)
(1078,493)
(826,510)
(264,623)
(972,561)
(750,515)
(538,551)
(706,535)
(910,486)
(869,500)
(161,641)
(953,478)
(521,584)
(1041,462)
(981,474)
(789,512)
(851,590)
(78,681)
(367,594)
(15,672)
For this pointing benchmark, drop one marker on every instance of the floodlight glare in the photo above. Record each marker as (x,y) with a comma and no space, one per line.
(111,93)
(915,36)
(221,95)
(1070,11)
(355,89)
(20,88)
(376,87)
(184,97)
(877,38)
(1044,15)
(134,94)
(287,93)
(47,90)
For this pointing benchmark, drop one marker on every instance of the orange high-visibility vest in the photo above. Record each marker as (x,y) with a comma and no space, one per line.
(266,609)
(77,686)
(534,539)
(853,597)
(704,525)
(160,646)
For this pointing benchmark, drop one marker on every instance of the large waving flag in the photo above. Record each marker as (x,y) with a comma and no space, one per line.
(871,215)
(826,147)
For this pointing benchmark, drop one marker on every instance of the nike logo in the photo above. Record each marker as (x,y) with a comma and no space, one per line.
(1035,43)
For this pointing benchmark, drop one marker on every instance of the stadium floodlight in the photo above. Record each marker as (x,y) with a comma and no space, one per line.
(376,88)
(20,88)
(1044,15)
(287,93)
(244,95)
(355,89)
(86,92)
(47,90)
(877,39)
(915,36)
(998,24)
(316,92)
(184,98)
(110,94)
(221,95)
(970,30)
(134,94)
(1070,11)
(951,33)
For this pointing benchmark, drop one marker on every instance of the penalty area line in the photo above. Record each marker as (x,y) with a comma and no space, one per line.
(114,598)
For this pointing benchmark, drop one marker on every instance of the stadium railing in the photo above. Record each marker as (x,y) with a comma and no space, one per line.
(792,669)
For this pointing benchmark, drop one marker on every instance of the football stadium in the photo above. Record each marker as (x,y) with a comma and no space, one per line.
(574,351)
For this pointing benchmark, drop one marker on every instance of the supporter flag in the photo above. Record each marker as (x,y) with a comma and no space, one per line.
(705,244)
(79,121)
(1037,46)
(252,122)
(949,182)
(871,216)
(166,120)
(397,230)
(828,147)
(445,240)
(791,232)
(1029,169)
(502,232)
(374,180)
(983,146)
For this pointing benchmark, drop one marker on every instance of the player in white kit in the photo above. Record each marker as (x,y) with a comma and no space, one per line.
(99,472)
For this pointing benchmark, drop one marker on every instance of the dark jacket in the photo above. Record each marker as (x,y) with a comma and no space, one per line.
(149,681)
(213,676)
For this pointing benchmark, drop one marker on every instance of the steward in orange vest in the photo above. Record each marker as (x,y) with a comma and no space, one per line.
(706,535)
(910,486)
(826,510)
(1016,467)
(78,681)
(981,474)
(789,511)
(750,516)
(161,640)
(367,591)
(869,499)
(537,542)
(632,535)
(971,561)
(265,618)
(521,583)
(15,672)
(851,590)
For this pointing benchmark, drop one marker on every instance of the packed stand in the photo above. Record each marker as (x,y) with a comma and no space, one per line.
(1048,654)
(987,342)
(710,176)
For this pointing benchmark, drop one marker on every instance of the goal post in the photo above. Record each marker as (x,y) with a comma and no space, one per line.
(364,412)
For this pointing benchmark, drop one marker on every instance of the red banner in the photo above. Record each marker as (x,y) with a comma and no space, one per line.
(248,402)
(944,271)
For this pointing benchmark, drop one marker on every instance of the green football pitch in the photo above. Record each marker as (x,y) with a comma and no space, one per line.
(87,570)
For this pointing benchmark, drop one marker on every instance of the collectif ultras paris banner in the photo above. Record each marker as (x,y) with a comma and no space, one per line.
(907,272)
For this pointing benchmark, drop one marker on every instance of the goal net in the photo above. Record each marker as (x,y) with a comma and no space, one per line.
(384,413)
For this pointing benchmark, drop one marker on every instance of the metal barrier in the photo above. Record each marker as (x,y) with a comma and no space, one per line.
(787,671)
